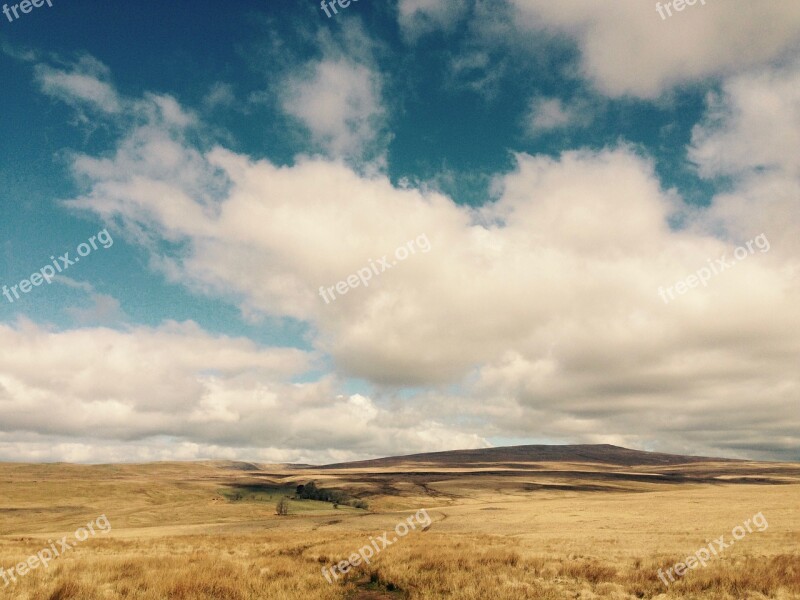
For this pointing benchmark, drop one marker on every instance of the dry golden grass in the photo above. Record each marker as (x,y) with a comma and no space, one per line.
(175,536)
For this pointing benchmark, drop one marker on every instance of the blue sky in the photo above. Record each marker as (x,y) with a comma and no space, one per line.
(567,164)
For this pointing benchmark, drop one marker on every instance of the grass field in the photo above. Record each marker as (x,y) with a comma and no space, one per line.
(500,528)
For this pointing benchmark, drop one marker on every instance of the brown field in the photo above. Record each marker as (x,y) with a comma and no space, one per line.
(580,522)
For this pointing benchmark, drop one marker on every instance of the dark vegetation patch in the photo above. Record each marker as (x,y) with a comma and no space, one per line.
(269,492)
(375,588)
(310,491)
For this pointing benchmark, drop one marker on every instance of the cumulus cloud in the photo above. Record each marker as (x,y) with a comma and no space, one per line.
(587,339)
(752,124)
(339,102)
(120,395)
(750,136)
(338,98)
(626,48)
(542,305)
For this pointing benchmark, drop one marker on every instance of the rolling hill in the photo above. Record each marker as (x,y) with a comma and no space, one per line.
(576,453)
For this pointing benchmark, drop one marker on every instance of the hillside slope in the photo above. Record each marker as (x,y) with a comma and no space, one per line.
(576,453)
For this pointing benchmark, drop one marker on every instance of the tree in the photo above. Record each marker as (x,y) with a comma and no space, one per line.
(309,491)
(282,507)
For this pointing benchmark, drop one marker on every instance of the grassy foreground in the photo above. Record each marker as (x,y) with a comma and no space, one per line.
(178,534)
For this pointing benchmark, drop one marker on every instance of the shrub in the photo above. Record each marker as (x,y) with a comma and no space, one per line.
(282,507)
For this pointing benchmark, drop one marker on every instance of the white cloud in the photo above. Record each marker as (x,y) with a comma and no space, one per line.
(220,94)
(627,49)
(589,323)
(547,114)
(418,17)
(339,101)
(477,70)
(543,305)
(750,136)
(177,392)
(338,98)
(104,309)
(754,124)
(86,84)
(550,293)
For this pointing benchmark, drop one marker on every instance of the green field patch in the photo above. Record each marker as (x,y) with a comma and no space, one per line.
(270,494)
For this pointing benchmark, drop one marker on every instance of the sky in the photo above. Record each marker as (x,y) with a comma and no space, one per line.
(268,231)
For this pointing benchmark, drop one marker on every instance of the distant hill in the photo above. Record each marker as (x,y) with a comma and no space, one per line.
(580,453)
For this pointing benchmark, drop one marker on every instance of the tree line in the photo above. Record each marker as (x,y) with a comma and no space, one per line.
(310,491)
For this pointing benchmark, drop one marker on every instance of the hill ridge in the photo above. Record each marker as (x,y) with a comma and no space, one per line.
(575,453)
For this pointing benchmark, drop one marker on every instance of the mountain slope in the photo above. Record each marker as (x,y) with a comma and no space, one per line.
(579,453)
